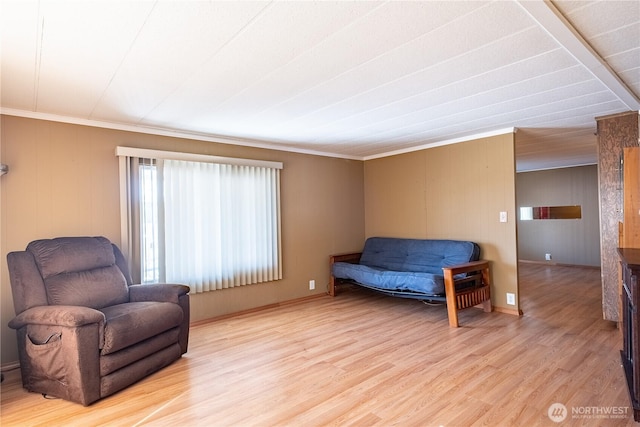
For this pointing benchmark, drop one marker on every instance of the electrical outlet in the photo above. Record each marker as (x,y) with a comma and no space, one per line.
(503,217)
(547,257)
(312,285)
(511,298)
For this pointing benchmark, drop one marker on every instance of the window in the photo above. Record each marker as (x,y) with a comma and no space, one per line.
(149,250)
(205,221)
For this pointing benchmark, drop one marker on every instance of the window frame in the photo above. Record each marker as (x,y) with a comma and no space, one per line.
(125,154)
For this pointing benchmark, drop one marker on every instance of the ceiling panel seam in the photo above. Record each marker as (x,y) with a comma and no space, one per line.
(211,57)
(426,92)
(122,60)
(274,71)
(404,76)
(38,58)
(560,29)
(359,66)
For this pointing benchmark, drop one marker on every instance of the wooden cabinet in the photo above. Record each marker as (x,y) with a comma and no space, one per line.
(630,275)
(630,353)
(631,186)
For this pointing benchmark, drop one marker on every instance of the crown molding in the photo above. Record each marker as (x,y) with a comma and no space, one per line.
(489,134)
(245,142)
(237,141)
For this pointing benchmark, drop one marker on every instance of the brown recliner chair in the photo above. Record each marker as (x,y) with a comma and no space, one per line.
(84,330)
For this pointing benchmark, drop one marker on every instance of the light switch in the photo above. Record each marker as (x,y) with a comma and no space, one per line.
(503,217)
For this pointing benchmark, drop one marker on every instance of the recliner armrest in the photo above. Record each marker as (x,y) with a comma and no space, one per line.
(58,315)
(161,292)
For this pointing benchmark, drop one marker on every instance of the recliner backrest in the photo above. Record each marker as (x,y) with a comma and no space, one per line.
(79,271)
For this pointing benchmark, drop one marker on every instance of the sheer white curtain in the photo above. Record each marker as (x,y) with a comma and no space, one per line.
(224,231)
(211,225)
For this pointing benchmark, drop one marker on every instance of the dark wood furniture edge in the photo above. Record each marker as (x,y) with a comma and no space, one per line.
(353,257)
(459,300)
(630,301)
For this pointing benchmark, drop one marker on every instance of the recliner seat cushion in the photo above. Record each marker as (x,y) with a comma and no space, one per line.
(129,323)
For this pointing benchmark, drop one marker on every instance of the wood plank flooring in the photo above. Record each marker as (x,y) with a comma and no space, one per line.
(361,359)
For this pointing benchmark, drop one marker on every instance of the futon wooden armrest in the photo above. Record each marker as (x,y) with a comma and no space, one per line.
(353,258)
(466,267)
(480,293)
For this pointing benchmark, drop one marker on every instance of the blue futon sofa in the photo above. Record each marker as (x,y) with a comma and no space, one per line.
(424,269)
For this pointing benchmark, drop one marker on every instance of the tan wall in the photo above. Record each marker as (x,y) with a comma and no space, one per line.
(63,181)
(569,241)
(451,192)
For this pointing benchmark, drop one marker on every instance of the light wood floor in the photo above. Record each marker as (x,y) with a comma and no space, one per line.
(364,359)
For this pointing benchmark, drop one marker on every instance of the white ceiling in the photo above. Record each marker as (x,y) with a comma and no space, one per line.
(353,79)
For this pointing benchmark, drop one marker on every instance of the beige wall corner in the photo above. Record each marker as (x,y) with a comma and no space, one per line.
(451,192)
(64,182)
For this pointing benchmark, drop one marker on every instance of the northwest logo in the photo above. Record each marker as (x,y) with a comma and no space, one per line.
(557,412)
